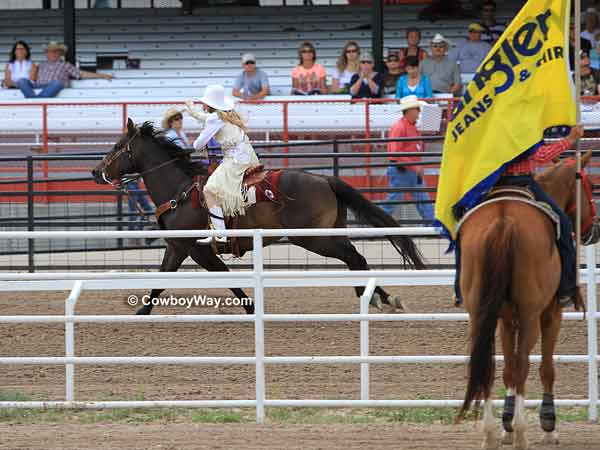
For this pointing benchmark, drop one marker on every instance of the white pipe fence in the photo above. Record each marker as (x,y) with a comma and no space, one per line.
(260,279)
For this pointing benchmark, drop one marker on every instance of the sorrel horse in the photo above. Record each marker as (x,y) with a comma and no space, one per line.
(308,201)
(510,274)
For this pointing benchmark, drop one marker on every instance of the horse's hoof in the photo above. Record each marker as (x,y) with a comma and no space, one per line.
(396,302)
(550,438)
(376,302)
(507,438)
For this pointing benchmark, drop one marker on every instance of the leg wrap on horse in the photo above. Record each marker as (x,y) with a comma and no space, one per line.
(548,413)
(508,413)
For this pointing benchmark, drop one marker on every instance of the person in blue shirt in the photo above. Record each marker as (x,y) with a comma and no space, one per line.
(173,125)
(413,83)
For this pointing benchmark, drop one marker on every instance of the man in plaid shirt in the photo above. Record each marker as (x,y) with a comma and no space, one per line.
(54,74)
(520,172)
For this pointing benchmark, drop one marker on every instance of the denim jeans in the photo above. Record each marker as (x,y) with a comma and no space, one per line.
(136,221)
(401,177)
(566,247)
(49,90)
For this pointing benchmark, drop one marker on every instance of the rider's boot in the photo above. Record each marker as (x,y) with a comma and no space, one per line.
(218,223)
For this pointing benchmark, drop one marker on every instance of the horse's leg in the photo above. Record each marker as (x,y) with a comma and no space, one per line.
(529,332)
(550,324)
(508,334)
(490,432)
(341,248)
(172,260)
(204,256)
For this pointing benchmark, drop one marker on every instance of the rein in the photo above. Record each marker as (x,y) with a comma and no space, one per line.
(589,221)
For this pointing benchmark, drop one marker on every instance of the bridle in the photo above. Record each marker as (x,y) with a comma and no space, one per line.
(589,225)
(126,148)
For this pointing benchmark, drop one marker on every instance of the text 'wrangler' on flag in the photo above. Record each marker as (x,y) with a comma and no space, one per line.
(522,87)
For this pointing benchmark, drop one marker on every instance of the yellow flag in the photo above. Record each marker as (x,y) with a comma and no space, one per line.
(522,87)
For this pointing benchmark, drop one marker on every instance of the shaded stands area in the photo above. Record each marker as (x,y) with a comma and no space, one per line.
(179,55)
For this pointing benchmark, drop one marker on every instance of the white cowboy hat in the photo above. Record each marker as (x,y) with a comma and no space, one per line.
(214,96)
(53,45)
(171,112)
(409,102)
(440,39)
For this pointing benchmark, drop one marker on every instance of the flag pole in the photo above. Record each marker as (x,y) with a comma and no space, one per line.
(577,76)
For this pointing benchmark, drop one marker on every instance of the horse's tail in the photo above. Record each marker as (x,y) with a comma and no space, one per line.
(367,212)
(496,277)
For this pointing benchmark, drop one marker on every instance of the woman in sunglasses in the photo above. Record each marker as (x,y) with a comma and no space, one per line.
(308,77)
(173,126)
(366,83)
(346,66)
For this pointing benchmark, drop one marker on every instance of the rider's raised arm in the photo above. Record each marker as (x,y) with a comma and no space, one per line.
(200,116)
(548,152)
(213,125)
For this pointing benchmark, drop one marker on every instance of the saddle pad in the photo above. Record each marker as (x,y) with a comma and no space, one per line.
(543,207)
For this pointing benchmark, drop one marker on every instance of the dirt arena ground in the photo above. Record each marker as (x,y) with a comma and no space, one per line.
(236,382)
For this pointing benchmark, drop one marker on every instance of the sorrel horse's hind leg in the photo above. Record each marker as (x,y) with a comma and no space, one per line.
(341,248)
(204,256)
(529,332)
(172,260)
(550,324)
(489,428)
(508,335)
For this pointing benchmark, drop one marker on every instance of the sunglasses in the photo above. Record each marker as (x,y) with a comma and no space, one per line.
(178,118)
(250,62)
(393,59)
(366,62)
(306,50)
(438,45)
(352,50)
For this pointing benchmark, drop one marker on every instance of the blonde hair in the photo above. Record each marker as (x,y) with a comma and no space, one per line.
(342,61)
(232,117)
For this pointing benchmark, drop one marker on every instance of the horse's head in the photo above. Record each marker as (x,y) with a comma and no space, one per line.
(563,178)
(121,160)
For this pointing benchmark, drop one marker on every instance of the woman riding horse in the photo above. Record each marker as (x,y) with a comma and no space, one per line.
(520,173)
(223,190)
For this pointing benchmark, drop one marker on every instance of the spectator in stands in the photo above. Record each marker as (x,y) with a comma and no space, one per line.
(443,73)
(366,83)
(252,83)
(584,45)
(392,74)
(414,82)
(346,66)
(492,29)
(54,74)
(19,65)
(590,78)
(401,175)
(470,53)
(308,77)
(413,37)
(592,22)
(172,123)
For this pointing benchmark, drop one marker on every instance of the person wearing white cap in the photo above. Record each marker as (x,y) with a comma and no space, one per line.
(442,71)
(223,189)
(592,26)
(402,174)
(252,83)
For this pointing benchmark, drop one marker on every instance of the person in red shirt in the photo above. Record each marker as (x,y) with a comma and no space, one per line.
(402,174)
(520,172)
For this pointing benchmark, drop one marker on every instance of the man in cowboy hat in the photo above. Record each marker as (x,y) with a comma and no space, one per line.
(442,71)
(470,53)
(401,175)
(252,83)
(55,73)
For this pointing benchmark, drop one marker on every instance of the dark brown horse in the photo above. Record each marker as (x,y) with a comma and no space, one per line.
(510,274)
(310,201)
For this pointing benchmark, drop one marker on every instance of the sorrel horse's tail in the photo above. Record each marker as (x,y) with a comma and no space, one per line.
(369,213)
(496,270)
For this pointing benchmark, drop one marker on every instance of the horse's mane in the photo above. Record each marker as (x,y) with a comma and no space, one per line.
(183,161)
